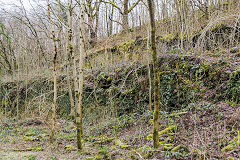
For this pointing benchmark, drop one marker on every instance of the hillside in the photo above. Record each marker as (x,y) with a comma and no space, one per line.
(199,75)
(199,117)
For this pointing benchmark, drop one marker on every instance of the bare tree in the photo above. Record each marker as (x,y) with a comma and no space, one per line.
(69,57)
(92,10)
(124,12)
(54,105)
(6,51)
(80,89)
(156,77)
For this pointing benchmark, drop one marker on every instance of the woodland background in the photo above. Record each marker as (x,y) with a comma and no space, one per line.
(198,53)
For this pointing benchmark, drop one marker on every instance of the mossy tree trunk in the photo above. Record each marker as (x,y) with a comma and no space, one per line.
(125,16)
(4,51)
(149,76)
(110,31)
(97,18)
(69,59)
(75,83)
(80,89)
(54,105)
(92,10)
(156,77)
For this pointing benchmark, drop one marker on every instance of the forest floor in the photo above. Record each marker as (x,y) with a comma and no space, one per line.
(202,131)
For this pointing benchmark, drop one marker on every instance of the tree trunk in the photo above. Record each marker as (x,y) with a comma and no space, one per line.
(69,55)
(149,76)
(125,16)
(156,78)
(97,20)
(91,30)
(111,22)
(54,105)
(75,84)
(80,90)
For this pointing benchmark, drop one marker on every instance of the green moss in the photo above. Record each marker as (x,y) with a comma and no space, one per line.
(118,142)
(41,136)
(227,148)
(102,140)
(168,144)
(216,27)
(162,142)
(167,130)
(109,78)
(30,138)
(150,121)
(30,134)
(125,146)
(102,154)
(233,143)
(167,148)
(69,148)
(29,149)
(176,148)
(234,50)
(99,142)
(223,2)
(169,139)
(145,151)
(231,103)
(234,73)
(38,149)
(99,156)
(233,91)
(22,150)
(177,114)
(122,145)
(235,139)
(149,137)
(167,37)
(113,147)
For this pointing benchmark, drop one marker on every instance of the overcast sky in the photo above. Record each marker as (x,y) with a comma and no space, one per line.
(8,3)
(14,1)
